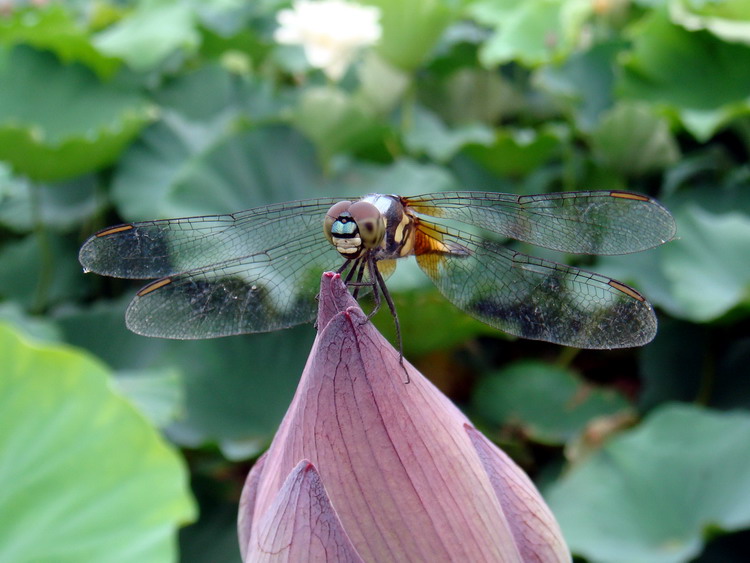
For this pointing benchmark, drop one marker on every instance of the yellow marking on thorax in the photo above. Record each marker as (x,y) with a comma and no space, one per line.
(404,235)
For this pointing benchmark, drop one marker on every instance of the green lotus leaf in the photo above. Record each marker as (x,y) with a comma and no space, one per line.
(429,135)
(53,27)
(532,32)
(657,492)
(79,124)
(704,266)
(150,34)
(412,29)
(548,403)
(632,139)
(88,478)
(703,79)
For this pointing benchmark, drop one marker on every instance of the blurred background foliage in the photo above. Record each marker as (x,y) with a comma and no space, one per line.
(115,111)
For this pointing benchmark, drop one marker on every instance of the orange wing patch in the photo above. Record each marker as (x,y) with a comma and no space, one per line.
(626,290)
(627,195)
(430,239)
(153,286)
(114,230)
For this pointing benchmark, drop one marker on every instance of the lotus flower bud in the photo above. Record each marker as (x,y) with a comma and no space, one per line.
(367,468)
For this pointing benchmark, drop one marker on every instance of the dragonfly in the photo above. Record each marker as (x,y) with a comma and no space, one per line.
(258,270)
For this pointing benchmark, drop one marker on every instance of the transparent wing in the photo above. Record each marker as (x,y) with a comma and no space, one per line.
(154,249)
(604,222)
(261,292)
(531,297)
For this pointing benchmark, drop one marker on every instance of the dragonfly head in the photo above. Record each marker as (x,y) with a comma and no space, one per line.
(354,227)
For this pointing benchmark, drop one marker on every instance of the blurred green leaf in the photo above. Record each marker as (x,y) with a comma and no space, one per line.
(706,266)
(731,388)
(469,95)
(703,79)
(585,81)
(92,481)
(549,404)
(673,366)
(54,27)
(229,17)
(336,121)
(100,329)
(158,393)
(181,168)
(61,206)
(236,388)
(201,95)
(633,140)
(516,152)
(245,44)
(70,124)
(32,327)
(653,493)
(411,29)
(214,536)
(39,271)
(426,133)
(210,95)
(404,176)
(728,19)
(531,32)
(382,84)
(152,32)
(428,321)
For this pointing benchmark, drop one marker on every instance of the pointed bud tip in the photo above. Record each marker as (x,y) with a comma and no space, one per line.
(333,298)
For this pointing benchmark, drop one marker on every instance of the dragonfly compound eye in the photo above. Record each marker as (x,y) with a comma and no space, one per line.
(370,223)
(341,230)
(354,227)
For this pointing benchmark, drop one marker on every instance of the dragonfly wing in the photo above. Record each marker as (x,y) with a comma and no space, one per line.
(265,291)
(154,249)
(603,222)
(534,298)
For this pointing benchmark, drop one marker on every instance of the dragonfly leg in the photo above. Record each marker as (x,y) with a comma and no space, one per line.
(372,268)
(343,268)
(359,265)
(358,283)
(379,284)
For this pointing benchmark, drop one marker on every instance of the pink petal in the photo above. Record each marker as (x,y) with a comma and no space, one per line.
(247,504)
(534,528)
(301,524)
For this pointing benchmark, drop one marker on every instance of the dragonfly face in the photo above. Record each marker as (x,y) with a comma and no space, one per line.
(258,270)
(379,224)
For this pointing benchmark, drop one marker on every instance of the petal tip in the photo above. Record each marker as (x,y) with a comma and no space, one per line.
(301,524)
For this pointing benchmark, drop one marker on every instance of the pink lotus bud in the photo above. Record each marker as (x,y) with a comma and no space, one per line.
(367,468)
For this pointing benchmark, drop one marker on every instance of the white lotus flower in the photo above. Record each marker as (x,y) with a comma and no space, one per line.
(331,32)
